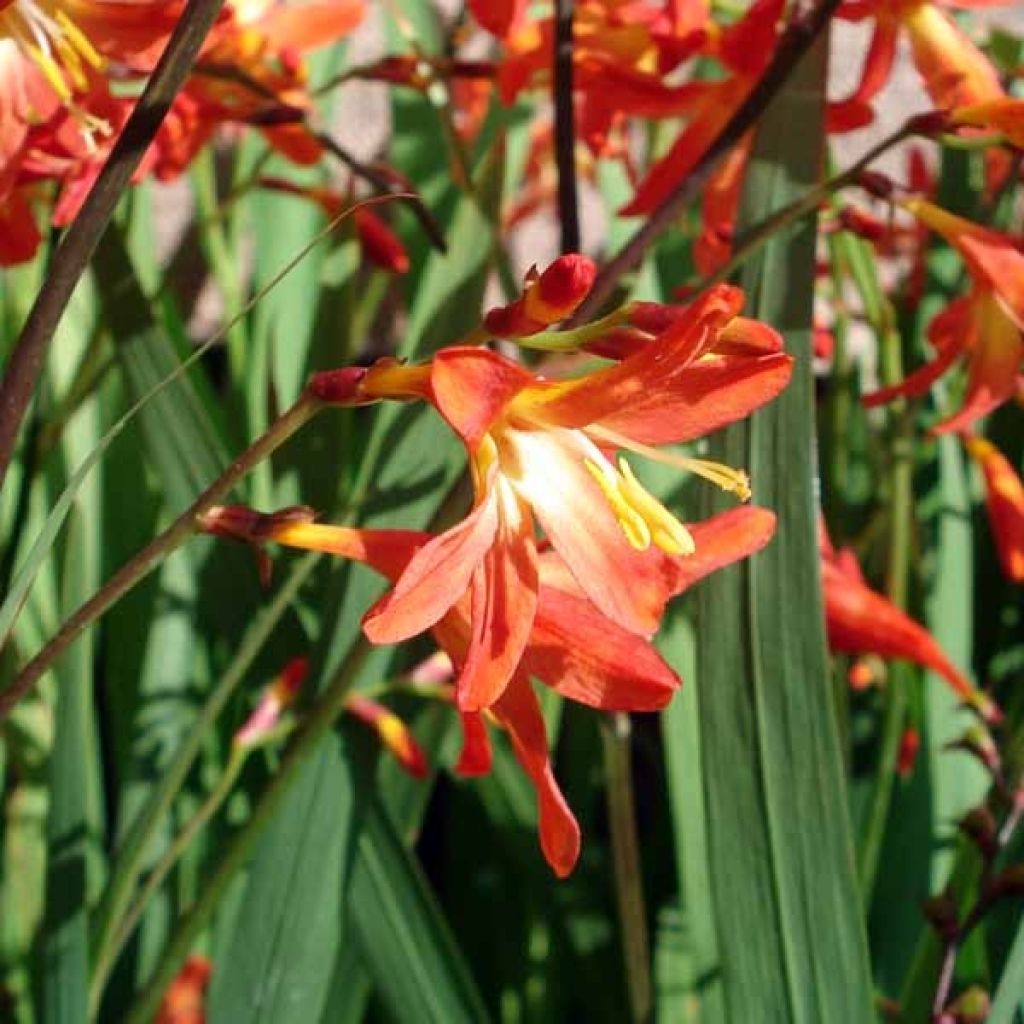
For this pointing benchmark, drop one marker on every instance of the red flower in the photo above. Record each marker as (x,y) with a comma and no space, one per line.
(860,621)
(1004,494)
(571,646)
(539,451)
(983,327)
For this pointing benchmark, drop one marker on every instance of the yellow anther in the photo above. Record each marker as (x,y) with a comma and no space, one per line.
(633,525)
(733,480)
(50,70)
(667,532)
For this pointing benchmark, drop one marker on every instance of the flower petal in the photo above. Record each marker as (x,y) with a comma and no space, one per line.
(436,577)
(582,655)
(722,540)
(519,712)
(715,392)
(472,387)
(548,469)
(504,602)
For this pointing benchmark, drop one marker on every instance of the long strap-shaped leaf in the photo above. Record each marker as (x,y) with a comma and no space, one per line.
(786,901)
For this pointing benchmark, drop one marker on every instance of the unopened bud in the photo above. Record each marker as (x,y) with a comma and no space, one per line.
(380,245)
(863,224)
(979,826)
(279,695)
(548,297)
(339,387)
(971,1007)
(929,124)
(395,736)
(941,914)
(910,744)
(876,183)
(978,742)
(185,998)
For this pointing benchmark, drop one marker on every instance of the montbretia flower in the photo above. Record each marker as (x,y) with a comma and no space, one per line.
(983,327)
(542,453)
(252,71)
(745,49)
(570,646)
(1004,493)
(50,51)
(859,620)
(954,71)
(1004,115)
(184,1002)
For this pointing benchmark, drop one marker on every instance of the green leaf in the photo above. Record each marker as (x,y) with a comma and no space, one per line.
(786,899)
(1008,1002)
(415,962)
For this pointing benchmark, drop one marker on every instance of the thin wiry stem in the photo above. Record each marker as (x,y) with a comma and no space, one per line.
(565,127)
(72,256)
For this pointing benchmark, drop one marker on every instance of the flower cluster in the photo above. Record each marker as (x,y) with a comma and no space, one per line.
(68,72)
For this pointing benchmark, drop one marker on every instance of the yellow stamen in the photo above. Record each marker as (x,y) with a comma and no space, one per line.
(643,519)
(667,532)
(735,481)
(633,524)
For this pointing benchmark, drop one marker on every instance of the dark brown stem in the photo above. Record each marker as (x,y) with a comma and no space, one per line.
(73,255)
(565,128)
(794,43)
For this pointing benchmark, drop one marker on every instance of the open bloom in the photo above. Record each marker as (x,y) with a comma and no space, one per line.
(954,71)
(541,455)
(984,327)
(745,49)
(571,646)
(1004,493)
(51,49)
(861,621)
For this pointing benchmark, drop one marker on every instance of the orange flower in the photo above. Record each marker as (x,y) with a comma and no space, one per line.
(745,49)
(539,452)
(621,54)
(984,326)
(1005,500)
(861,621)
(50,49)
(571,646)
(954,71)
(251,71)
(185,999)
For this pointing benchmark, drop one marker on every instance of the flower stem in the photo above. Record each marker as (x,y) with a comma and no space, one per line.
(145,561)
(565,127)
(615,736)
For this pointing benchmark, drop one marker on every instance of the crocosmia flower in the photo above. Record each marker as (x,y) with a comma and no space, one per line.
(859,620)
(542,453)
(570,645)
(983,327)
(954,71)
(1004,494)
